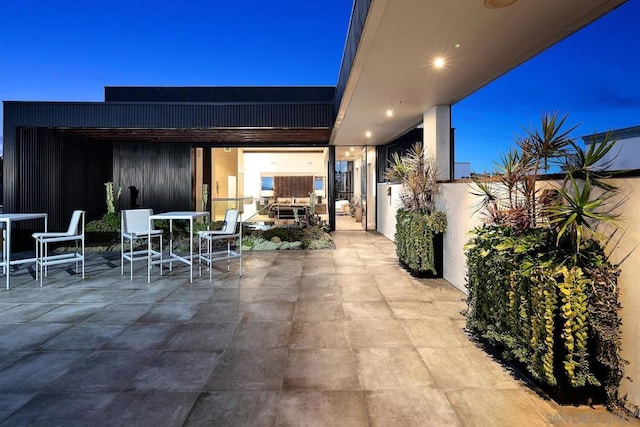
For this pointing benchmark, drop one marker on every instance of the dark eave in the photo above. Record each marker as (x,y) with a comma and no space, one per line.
(231,136)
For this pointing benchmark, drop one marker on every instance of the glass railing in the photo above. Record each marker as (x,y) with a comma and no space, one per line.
(246,205)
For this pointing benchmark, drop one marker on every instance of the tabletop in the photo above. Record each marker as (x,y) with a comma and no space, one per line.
(20,216)
(179,215)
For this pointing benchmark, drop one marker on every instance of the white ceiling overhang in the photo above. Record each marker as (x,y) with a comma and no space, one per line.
(393,66)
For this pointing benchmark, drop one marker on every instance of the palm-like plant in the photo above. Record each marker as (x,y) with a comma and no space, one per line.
(582,201)
(563,285)
(581,163)
(547,144)
(418,175)
(580,210)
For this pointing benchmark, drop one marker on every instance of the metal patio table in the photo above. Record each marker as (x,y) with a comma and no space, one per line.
(171,216)
(7,219)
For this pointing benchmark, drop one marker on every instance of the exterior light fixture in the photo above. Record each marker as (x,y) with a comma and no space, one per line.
(368,134)
(498,4)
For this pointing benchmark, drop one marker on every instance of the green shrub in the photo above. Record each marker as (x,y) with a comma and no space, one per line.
(555,314)
(285,234)
(414,239)
(108,222)
(288,237)
(540,286)
(104,231)
(417,220)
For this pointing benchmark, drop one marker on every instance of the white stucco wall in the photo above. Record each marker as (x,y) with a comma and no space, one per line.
(387,208)
(456,200)
(628,282)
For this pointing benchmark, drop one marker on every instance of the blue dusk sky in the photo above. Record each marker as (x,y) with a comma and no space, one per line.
(70,50)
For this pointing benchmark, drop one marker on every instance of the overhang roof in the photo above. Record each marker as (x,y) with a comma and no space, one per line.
(393,69)
(214,136)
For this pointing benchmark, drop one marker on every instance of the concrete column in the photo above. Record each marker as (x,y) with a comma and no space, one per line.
(437,139)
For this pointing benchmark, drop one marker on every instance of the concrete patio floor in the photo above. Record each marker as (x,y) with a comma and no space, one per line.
(305,338)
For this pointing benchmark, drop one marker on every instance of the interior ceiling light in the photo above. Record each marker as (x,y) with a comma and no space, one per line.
(497,4)
(368,134)
(389,113)
(439,62)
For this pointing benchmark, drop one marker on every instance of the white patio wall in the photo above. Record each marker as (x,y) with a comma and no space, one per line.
(456,200)
(387,208)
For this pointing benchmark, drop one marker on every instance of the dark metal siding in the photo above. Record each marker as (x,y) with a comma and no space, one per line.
(358,18)
(19,115)
(160,172)
(400,146)
(103,115)
(331,187)
(246,94)
(58,174)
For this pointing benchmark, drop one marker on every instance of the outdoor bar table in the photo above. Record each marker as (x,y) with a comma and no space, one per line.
(7,219)
(170,216)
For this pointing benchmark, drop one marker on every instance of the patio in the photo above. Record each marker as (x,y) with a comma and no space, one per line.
(333,337)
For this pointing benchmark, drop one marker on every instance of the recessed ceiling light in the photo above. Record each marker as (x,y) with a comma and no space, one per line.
(497,4)
(346,153)
(368,134)
(352,149)
(439,62)
(457,45)
(389,113)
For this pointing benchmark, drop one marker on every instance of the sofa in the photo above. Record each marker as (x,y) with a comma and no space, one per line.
(288,207)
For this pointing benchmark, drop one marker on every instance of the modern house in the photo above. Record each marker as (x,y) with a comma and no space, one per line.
(59,154)
(626,154)
(404,65)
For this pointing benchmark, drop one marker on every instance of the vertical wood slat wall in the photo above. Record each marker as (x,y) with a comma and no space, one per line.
(292,186)
(59,173)
(161,172)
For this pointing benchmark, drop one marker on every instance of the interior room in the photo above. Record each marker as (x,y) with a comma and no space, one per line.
(275,186)
(271,186)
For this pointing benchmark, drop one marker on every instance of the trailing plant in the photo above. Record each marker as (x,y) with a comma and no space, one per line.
(414,240)
(540,286)
(417,220)
(605,327)
(575,329)
(543,314)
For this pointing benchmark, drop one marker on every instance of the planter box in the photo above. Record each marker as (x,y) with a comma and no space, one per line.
(563,393)
(419,248)
(438,258)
